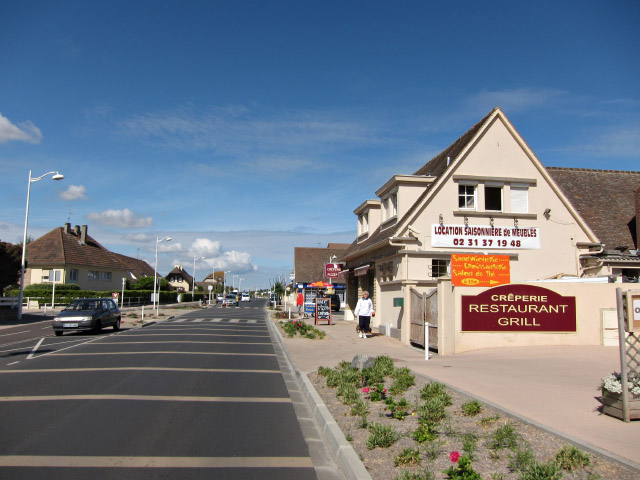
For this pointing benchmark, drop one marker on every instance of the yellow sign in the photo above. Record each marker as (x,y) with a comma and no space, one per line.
(480,270)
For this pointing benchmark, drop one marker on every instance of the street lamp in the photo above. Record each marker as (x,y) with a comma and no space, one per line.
(155,271)
(56,176)
(193,292)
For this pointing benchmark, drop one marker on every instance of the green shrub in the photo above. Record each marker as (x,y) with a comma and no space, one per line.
(323,371)
(382,436)
(436,390)
(472,408)
(402,381)
(432,411)
(469,444)
(425,433)
(521,459)
(504,437)
(297,327)
(572,458)
(541,471)
(462,470)
(409,456)
(397,410)
(359,409)
(384,363)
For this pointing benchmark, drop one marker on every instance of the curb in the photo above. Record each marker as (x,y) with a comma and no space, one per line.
(341,450)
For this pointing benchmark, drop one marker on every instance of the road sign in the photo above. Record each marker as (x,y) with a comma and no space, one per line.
(480,270)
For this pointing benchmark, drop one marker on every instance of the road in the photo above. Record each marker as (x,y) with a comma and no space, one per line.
(201,395)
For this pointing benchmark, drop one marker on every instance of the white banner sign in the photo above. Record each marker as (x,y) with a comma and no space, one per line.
(480,236)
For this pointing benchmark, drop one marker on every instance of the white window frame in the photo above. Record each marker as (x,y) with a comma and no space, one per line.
(465,195)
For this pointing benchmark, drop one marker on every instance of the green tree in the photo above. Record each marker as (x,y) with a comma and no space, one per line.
(10,257)
(146,283)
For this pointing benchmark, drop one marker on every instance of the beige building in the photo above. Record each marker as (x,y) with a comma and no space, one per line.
(488,194)
(76,257)
(180,280)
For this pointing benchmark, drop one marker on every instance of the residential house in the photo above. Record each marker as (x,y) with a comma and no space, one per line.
(488,193)
(179,279)
(78,258)
(309,267)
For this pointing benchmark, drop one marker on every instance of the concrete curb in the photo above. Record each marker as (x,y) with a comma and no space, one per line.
(343,453)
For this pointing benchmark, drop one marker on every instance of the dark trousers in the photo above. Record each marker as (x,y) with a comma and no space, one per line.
(363,323)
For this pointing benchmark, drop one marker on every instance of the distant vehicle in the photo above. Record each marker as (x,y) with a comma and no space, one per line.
(273,299)
(245,297)
(230,299)
(88,314)
(219,298)
(335,302)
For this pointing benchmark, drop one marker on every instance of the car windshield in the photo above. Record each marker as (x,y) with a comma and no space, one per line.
(84,305)
(231,295)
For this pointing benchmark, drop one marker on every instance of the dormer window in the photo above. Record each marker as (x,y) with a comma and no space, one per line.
(363,223)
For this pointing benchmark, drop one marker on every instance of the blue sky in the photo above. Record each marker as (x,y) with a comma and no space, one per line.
(242,129)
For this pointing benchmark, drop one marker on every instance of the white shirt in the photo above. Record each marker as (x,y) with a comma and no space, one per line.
(364,307)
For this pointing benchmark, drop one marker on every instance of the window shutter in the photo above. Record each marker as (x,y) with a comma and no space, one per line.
(519,199)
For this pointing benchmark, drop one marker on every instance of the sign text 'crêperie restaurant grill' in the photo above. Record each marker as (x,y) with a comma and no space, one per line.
(518,308)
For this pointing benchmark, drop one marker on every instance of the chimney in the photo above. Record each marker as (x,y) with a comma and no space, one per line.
(76,229)
(83,235)
(67,228)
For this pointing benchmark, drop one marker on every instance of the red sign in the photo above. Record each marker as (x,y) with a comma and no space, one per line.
(518,308)
(480,270)
(332,270)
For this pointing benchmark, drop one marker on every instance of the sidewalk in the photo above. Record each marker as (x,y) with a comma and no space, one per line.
(555,388)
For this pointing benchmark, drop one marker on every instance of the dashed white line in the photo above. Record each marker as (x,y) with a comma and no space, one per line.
(33,351)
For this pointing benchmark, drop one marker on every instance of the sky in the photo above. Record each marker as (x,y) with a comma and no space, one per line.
(244,129)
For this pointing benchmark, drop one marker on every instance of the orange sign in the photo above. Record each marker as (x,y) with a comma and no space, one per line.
(480,270)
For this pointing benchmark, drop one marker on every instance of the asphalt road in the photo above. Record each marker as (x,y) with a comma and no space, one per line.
(197,396)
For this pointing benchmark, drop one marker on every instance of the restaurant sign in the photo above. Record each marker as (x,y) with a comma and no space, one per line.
(518,308)
(485,237)
(332,270)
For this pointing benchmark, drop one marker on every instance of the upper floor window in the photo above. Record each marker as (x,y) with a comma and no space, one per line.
(467,197)
(73,275)
(519,198)
(105,275)
(94,275)
(393,200)
(493,198)
(364,223)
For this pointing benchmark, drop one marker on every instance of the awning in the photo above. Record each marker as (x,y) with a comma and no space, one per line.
(361,270)
(343,273)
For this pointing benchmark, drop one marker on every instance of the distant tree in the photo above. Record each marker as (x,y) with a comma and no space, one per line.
(146,283)
(10,257)
(278,288)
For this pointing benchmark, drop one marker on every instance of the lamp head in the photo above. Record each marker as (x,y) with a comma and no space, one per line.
(57,176)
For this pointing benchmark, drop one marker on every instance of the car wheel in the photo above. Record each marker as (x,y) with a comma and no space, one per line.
(97,327)
(116,326)
(58,332)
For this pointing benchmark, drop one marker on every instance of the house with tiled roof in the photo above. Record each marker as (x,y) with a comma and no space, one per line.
(78,258)
(488,194)
(179,279)
(309,267)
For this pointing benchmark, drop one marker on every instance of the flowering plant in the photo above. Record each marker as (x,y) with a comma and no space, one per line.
(612,383)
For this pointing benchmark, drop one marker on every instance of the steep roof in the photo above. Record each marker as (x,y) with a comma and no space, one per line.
(435,168)
(604,199)
(179,271)
(60,247)
(309,262)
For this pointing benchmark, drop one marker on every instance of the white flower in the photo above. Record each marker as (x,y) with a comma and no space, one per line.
(612,383)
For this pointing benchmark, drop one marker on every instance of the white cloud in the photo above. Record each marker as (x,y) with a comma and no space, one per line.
(203,247)
(169,247)
(121,218)
(138,237)
(24,131)
(74,192)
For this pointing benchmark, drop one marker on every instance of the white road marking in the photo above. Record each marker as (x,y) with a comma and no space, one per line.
(154,398)
(14,333)
(33,351)
(154,462)
(153,369)
(164,352)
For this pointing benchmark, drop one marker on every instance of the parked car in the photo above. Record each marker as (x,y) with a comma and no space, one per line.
(245,297)
(90,314)
(219,298)
(230,299)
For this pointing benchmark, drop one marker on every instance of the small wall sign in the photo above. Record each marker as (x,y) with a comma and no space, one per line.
(518,308)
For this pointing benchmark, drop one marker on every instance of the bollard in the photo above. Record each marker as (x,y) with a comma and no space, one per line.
(142,313)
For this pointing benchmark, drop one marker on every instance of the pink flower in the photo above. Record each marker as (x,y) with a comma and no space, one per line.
(454,457)
(365,390)
(384,390)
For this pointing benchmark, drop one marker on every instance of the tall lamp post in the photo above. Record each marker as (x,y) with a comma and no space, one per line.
(56,176)
(155,271)
(193,292)
(224,279)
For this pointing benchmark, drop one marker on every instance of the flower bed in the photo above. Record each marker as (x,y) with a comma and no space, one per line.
(416,430)
(611,389)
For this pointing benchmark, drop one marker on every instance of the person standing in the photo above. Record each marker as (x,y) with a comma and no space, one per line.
(364,312)
(300,302)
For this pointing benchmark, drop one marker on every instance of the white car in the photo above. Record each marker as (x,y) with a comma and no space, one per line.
(245,297)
